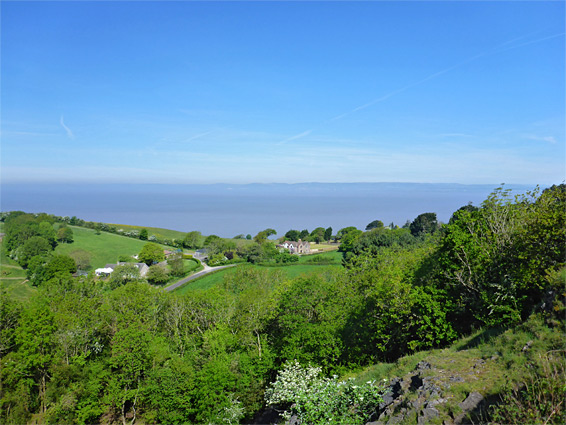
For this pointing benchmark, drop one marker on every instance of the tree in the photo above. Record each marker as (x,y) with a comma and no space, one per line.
(374,225)
(175,263)
(328,234)
(193,240)
(157,275)
(34,246)
(342,232)
(47,231)
(292,235)
(65,234)
(424,224)
(348,240)
(59,264)
(123,274)
(248,236)
(151,253)
(304,234)
(263,235)
(143,234)
(317,235)
(82,258)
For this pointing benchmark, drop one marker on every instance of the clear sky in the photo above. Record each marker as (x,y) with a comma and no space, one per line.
(241,92)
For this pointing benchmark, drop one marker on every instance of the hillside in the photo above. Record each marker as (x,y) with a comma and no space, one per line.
(104,247)
(402,304)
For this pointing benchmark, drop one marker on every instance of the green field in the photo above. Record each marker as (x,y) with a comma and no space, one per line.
(105,248)
(13,278)
(216,278)
(332,257)
(155,231)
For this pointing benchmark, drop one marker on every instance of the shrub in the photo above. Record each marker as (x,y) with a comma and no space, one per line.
(318,400)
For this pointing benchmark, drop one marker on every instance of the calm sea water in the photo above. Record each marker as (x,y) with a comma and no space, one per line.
(227,210)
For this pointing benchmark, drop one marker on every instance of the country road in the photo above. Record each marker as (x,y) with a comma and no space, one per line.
(206,270)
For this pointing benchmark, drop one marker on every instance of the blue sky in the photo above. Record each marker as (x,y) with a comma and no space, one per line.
(241,92)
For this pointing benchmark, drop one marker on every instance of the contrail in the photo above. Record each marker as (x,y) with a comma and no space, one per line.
(298,136)
(503,47)
(493,50)
(67,129)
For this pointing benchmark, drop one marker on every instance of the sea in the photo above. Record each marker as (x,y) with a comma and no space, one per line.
(228,210)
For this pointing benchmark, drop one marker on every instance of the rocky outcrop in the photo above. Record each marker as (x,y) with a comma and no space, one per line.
(424,396)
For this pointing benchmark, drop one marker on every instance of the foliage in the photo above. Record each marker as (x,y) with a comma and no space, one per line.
(151,253)
(32,247)
(262,236)
(292,235)
(317,235)
(375,224)
(123,274)
(82,258)
(193,240)
(495,260)
(157,275)
(65,234)
(315,399)
(424,224)
(143,234)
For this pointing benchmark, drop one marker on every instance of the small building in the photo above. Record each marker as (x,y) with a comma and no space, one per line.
(299,247)
(142,267)
(201,254)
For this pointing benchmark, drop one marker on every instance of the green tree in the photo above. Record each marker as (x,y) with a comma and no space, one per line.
(123,274)
(82,258)
(59,265)
(65,234)
(328,234)
(35,354)
(292,235)
(143,234)
(157,275)
(374,225)
(47,232)
(193,240)
(262,236)
(175,263)
(248,236)
(347,240)
(317,235)
(424,224)
(34,246)
(151,253)
(304,234)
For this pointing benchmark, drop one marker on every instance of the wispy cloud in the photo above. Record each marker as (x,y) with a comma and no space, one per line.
(197,136)
(537,138)
(67,129)
(295,137)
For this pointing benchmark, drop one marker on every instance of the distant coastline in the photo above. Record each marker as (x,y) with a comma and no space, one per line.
(231,209)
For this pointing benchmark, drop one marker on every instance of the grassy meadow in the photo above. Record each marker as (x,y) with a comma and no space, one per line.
(104,248)
(13,278)
(215,278)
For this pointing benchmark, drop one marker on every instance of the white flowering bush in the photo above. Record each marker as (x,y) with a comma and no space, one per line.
(315,399)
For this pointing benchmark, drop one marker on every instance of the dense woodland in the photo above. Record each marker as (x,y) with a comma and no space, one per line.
(82,351)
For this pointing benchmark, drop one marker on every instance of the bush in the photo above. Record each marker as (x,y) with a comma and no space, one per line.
(318,400)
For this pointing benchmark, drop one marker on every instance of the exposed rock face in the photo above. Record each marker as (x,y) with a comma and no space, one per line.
(421,397)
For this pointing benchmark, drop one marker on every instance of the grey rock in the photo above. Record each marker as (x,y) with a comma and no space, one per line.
(471,402)
(427,415)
